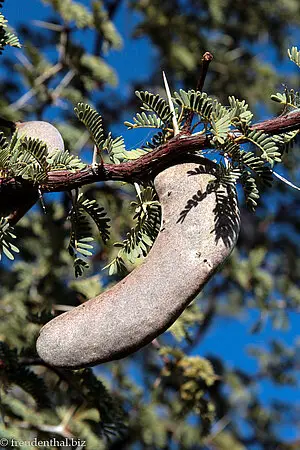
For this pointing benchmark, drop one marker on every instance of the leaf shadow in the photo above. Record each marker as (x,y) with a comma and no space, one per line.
(226,215)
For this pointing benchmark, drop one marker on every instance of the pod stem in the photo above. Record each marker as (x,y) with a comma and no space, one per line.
(205,61)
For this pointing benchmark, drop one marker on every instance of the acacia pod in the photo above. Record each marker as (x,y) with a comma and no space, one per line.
(198,233)
(44,131)
(16,204)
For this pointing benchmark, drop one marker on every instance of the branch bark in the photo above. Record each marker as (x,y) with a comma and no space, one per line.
(178,149)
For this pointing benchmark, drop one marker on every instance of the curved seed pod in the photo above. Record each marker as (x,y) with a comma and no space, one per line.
(44,131)
(199,230)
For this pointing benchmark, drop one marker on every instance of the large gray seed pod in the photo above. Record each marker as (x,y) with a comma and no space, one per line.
(44,131)
(199,230)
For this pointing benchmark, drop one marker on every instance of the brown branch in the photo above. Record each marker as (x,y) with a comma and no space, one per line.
(178,149)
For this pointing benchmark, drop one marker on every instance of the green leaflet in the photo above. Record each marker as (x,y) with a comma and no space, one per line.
(72,11)
(81,238)
(195,372)
(155,104)
(294,55)
(97,214)
(220,127)
(6,36)
(181,328)
(250,190)
(4,152)
(240,115)
(158,112)
(23,377)
(139,239)
(287,140)
(144,120)
(199,102)
(62,160)
(28,158)
(93,122)
(289,98)
(106,27)
(266,145)
(112,416)
(117,151)
(6,237)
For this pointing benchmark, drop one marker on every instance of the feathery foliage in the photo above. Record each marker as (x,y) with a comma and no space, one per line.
(218,122)
(6,36)
(63,160)
(294,55)
(93,121)
(139,239)
(28,158)
(81,238)
(151,103)
(6,237)
(11,372)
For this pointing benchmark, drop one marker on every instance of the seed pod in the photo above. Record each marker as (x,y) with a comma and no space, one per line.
(16,205)
(44,131)
(199,230)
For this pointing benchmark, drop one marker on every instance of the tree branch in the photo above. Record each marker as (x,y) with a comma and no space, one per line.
(178,149)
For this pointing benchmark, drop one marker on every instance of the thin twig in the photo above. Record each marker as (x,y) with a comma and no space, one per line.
(23,60)
(206,60)
(38,82)
(47,25)
(218,428)
(63,42)
(66,80)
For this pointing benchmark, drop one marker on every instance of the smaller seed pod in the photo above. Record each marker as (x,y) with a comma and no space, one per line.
(15,205)
(44,131)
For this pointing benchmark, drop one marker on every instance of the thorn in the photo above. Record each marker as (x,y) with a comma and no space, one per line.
(42,200)
(281,178)
(171,104)
(94,161)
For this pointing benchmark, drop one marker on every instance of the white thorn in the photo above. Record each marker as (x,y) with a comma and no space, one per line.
(171,104)
(94,162)
(285,181)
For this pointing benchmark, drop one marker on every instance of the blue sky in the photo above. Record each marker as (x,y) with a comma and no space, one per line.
(227,338)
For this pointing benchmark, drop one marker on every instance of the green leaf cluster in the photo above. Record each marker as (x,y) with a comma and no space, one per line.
(13,373)
(28,158)
(94,18)
(6,36)
(6,237)
(139,239)
(81,239)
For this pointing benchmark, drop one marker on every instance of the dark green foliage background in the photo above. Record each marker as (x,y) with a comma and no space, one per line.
(162,397)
